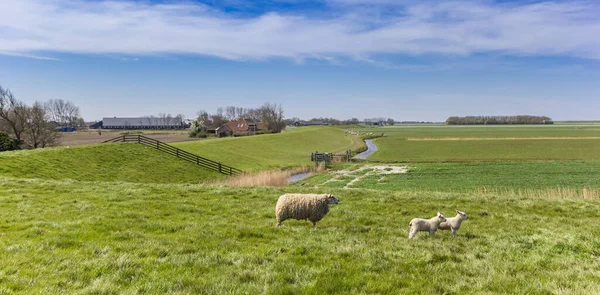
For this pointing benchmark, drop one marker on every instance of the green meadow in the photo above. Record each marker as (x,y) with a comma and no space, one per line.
(489,143)
(68,237)
(273,151)
(127,219)
(103,162)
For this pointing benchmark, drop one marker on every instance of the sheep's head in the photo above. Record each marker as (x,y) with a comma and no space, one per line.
(462,215)
(331,199)
(441,217)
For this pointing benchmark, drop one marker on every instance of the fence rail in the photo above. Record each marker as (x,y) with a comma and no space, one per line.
(179,153)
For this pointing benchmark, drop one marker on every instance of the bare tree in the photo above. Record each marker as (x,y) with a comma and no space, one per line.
(63,113)
(272,114)
(13,114)
(40,132)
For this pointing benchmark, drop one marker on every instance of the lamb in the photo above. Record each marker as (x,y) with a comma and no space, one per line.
(431,225)
(303,206)
(454,222)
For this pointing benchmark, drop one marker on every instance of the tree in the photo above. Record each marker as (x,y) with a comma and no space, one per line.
(13,114)
(390,121)
(64,113)
(272,114)
(39,131)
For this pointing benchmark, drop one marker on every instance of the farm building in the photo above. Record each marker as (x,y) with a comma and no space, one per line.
(310,123)
(143,123)
(243,126)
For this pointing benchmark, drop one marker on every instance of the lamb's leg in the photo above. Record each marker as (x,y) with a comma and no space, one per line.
(431,233)
(279,221)
(454,232)
(411,233)
(314,223)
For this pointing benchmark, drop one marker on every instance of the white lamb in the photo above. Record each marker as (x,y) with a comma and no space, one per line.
(428,225)
(454,222)
(303,206)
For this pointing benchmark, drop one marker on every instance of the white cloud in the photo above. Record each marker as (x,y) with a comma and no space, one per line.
(34,27)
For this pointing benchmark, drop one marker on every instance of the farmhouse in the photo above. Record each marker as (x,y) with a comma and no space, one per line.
(238,127)
(142,123)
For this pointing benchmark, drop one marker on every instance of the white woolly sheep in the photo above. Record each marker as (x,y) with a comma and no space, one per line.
(428,225)
(453,223)
(303,206)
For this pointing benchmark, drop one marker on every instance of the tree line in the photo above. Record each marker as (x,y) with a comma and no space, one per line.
(35,124)
(497,120)
(269,113)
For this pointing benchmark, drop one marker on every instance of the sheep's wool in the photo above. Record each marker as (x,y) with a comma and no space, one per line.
(302,207)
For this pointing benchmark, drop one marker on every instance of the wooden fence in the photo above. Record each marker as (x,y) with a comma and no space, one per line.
(179,153)
(328,157)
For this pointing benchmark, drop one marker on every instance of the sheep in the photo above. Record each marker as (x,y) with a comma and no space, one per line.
(454,222)
(431,225)
(303,206)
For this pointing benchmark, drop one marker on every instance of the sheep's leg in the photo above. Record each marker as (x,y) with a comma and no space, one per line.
(279,221)
(314,223)
(431,233)
(412,233)
(454,232)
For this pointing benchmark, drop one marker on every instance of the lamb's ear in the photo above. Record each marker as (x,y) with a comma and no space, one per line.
(439,214)
(457,211)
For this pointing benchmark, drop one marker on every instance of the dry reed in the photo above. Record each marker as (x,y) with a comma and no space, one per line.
(552,193)
(266,178)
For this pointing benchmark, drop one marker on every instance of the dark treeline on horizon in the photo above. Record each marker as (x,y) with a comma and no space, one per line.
(498,120)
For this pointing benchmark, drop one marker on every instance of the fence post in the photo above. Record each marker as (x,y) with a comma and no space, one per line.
(177,152)
(157,142)
(197,161)
(139,138)
(220,167)
(123,138)
(230,173)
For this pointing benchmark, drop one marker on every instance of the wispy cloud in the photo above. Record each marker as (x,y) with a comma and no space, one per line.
(32,27)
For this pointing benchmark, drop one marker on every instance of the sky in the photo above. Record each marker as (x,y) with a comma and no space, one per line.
(403,59)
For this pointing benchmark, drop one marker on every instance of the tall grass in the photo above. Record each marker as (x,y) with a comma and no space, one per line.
(270,178)
(551,193)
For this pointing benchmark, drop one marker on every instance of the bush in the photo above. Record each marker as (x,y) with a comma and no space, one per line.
(259,132)
(7,143)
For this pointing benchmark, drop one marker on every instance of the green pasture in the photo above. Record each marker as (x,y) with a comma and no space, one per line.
(469,177)
(66,237)
(127,162)
(270,151)
(536,143)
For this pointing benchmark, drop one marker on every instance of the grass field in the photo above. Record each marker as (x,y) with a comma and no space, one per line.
(402,143)
(270,151)
(469,177)
(126,219)
(106,162)
(64,237)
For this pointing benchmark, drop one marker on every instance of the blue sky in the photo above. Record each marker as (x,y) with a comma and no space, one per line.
(409,60)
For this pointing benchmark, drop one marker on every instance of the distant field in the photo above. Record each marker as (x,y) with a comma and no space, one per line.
(472,177)
(127,162)
(63,237)
(288,149)
(486,143)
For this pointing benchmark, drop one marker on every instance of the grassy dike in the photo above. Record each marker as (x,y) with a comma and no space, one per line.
(62,236)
